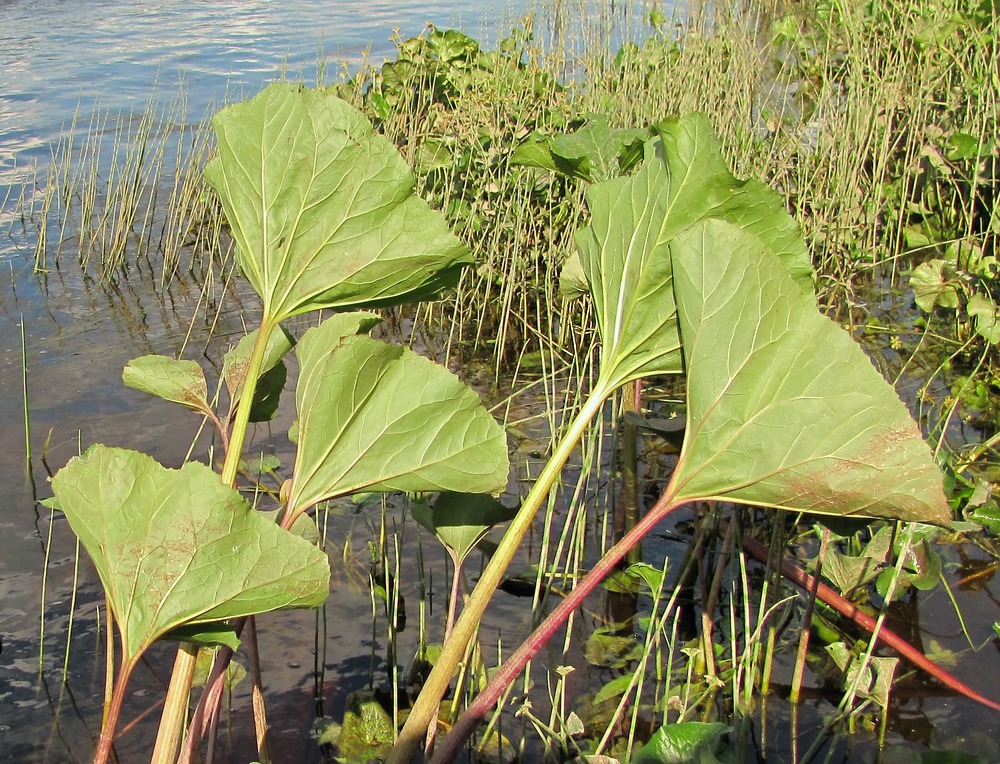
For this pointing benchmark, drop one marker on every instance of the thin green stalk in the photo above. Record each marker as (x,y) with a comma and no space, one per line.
(242,420)
(45,584)
(437,683)
(178,693)
(513,666)
(72,611)
(24,390)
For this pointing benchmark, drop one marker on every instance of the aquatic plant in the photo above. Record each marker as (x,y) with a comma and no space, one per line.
(324,217)
(693,271)
(848,237)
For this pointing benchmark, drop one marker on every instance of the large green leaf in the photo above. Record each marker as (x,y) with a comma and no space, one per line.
(784,409)
(626,261)
(177,547)
(322,208)
(378,417)
(625,252)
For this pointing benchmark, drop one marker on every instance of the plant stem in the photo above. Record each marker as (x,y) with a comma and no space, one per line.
(257,694)
(242,419)
(456,589)
(175,706)
(111,721)
(486,701)
(434,688)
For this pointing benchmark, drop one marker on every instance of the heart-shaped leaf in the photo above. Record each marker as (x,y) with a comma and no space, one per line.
(933,286)
(322,207)
(378,417)
(180,382)
(784,409)
(461,520)
(177,547)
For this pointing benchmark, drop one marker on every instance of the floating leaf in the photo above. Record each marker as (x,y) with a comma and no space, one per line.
(367,732)
(686,743)
(461,520)
(180,382)
(378,417)
(932,287)
(611,650)
(984,312)
(177,547)
(322,207)
(784,409)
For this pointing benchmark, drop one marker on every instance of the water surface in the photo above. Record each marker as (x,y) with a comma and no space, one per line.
(64,60)
(58,59)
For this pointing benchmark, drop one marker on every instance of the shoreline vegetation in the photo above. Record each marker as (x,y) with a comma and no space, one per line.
(875,124)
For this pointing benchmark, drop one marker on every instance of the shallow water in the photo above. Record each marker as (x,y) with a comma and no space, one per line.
(56,57)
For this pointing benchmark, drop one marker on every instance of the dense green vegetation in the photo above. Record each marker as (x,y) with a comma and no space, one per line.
(586,266)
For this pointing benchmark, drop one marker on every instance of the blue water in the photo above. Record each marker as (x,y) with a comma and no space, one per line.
(55,55)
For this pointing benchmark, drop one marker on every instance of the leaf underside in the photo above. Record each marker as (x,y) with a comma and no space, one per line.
(178,548)
(694,271)
(180,382)
(461,520)
(322,208)
(378,417)
(625,253)
(784,409)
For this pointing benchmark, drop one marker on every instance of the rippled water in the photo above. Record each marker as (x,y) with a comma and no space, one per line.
(57,59)
(55,55)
